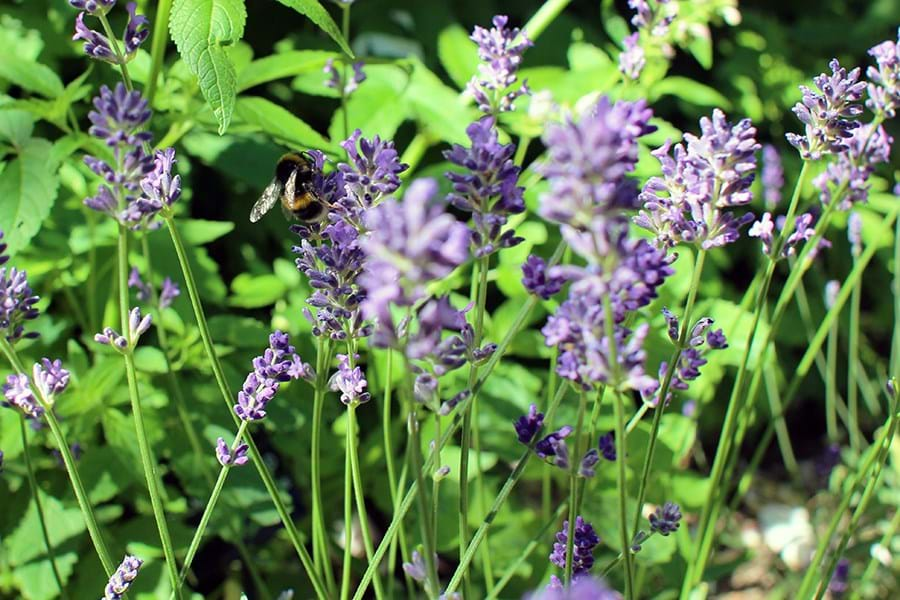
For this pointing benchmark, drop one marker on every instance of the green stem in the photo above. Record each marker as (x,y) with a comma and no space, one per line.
(416,149)
(114,44)
(210,506)
(158,46)
(148,462)
(573,488)
(39,506)
(831,385)
(227,397)
(321,557)
(352,433)
(432,584)
(895,342)
(521,150)
(852,358)
(543,17)
(84,502)
(348,523)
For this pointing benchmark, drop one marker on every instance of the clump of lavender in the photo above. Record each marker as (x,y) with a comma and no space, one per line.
(100,47)
(665,519)
(336,81)
(372,174)
(50,379)
(17,301)
(137,326)
(607,446)
(488,188)
(700,341)
(584,587)
(167,293)
(553,448)
(350,382)
(279,363)
(123,577)
(585,540)
(540,280)
(804,230)
(632,59)
(865,147)
(772,176)
(690,203)
(500,50)
(160,189)
(828,115)
(652,20)
(884,86)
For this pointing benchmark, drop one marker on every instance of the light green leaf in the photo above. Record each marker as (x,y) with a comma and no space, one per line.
(15,125)
(255,291)
(197,232)
(30,75)
(28,188)
(150,360)
(318,15)
(458,54)
(203,30)
(689,91)
(286,64)
(438,107)
(281,124)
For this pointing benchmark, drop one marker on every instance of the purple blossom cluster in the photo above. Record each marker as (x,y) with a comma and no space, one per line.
(138,325)
(50,380)
(772,176)
(701,339)
(553,448)
(487,188)
(527,426)
(700,182)
(585,540)
(500,50)
(884,79)
(350,382)
(123,577)
(804,230)
(652,20)
(828,115)
(665,519)
(865,147)
(100,47)
(17,301)
(167,293)
(540,280)
(228,457)
(336,81)
(584,587)
(279,363)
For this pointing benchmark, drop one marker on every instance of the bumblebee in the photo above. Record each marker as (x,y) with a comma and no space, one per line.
(293,184)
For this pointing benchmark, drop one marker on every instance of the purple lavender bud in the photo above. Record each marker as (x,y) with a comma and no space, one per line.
(716,340)
(671,324)
(840,579)
(227,457)
(17,303)
(121,580)
(373,172)
(93,7)
(584,587)
(891,387)
(828,115)
(96,45)
(764,229)
(666,519)
(607,446)
(588,463)
(144,292)
(110,337)
(416,568)
(160,188)
(553,448)
(488,189)
(884,86)
(632,59)
(169,292)
(278,363)
(854,234)
(585,540)
(18,394)
(864,147)
(589,160)
(772,176)
(528,425)
(500,60)
(351,382)
(119,116)
(137,324)
(136,31)
(539,280)
(453,402)
(50,378)
(335,77)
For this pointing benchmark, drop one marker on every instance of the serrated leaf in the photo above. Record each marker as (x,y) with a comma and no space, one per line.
(15,125)
(458,54)
(28,188)
(278,66)
(281,124)
(202,31)
(30,75)
(314,11)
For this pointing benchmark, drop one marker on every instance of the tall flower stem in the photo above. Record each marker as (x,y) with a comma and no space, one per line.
(831,385)
(227,397)
(84,502)
(39,507)
(736,401)
(573,487)
(210,506)
(158,46)
(543,17)
(686,325)
(114,44)
(347,562)
(319,532)
(852,358)
(345,30)
(148,462)
(500,500)
(895,341)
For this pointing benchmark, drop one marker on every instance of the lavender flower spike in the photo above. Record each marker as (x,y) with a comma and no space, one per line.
(539,280)
(772,176)
(228,458)
(553,448)
(279,363)
(17,301)
(17,393)
(666,518)
(632,59)
(137,326)
(585,540)
(884,86)
(351,382)
(169,292)
(93,7)
(123,577)
(500,59)
(528,425)
(97,45)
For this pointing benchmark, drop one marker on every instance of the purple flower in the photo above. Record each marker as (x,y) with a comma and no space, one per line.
(93,7)
(764,229)
(451,352)
(672,328)
(350,382)
(17,301)
(335,78)
(97,45)
(585,540)
(169,292)
(121,580)
(528,425)
(539,280)
(279,363)
(716,339)
(488,189)
(120,117)
(372,174)
(500,60)
(160,188)
(884,86)
(864,147)
(666,519)
(50,378)
(854,234)
(18,394)
(553,448)
(137,326)
(607,446)
(416,569)
(144,292)
(632,59)
(228,458)
(828,115)
(410,244)
(588,161)
(772,176)
(136,31)
(840,579)
(583,587)
(826,462)
(586,468)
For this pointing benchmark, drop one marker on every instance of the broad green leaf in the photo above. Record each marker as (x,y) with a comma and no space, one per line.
(689,91)
(15,125)
(30,75)
(150,359)
(438,108)
(278,66)
(314,11)
(458,54)
(197,232)
(203,30)
(375,108)
(283,126)
(255,291)
(28,188)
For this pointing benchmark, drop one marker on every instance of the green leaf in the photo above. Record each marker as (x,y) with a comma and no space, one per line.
(15,125)
(150,360)
(283,126)
(203,30)
(458,54)
(437,107)
(28,188)
(314,11)
(255,291)
(197,232)
(689,91)
(278,66)
(30,75)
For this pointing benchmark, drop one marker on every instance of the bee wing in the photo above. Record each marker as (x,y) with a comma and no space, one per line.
(290,188)
(269,197)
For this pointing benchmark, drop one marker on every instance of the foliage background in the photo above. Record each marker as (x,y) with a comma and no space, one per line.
(249,283)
